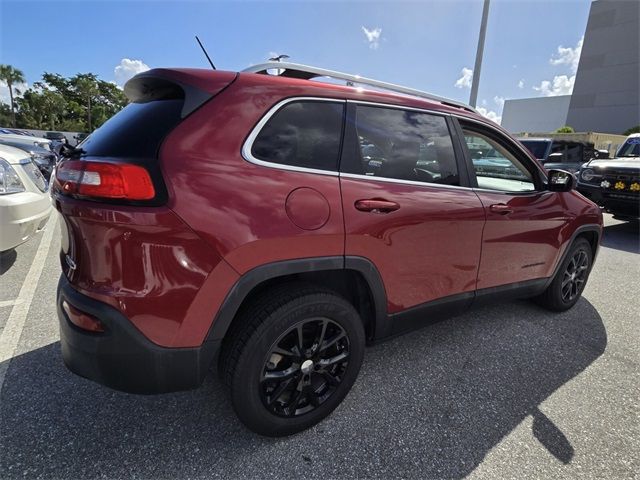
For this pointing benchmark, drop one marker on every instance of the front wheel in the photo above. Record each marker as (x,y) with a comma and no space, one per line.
(293,359)
(567,286)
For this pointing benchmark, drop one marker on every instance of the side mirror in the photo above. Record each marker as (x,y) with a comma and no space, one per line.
(560,181)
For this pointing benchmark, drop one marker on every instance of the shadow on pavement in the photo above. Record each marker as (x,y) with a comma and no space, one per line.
(622,236)
(7,259)
(430,404)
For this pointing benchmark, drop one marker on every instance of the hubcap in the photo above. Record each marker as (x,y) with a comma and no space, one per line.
(575,276)
(304,367)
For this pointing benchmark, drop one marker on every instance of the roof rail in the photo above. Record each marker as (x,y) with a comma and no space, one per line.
(306,72)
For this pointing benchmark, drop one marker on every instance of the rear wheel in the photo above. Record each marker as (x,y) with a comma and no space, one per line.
(567,286)
(293,358)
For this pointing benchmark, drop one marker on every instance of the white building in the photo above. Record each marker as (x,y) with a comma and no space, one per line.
(543,114)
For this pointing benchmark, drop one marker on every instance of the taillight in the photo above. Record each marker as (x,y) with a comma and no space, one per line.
(105,180)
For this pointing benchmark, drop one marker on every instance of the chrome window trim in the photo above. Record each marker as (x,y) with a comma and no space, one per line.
(402,182)
(248,143)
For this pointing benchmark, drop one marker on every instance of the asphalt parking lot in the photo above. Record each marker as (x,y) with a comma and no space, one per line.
(507,391)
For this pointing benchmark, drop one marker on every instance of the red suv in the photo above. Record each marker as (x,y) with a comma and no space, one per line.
(271,226)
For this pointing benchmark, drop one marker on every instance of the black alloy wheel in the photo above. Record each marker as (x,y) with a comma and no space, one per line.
(567,285)
(304,367)
(575,276)
(291,357)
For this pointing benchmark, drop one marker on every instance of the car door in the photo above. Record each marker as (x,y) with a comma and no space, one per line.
(524,220)
(407,205)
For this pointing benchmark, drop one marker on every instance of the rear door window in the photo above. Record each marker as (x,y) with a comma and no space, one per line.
(303,134)
(403,145)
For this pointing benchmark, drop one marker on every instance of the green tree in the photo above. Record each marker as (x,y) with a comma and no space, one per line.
(78,103)
(631,130)
(565,129)
(87,88)
(11,76)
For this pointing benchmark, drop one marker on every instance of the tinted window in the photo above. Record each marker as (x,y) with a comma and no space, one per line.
(495,167)
(302,134)
(135,131)
(404,145)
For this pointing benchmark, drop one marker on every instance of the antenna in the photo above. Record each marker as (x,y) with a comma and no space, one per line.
(205,53)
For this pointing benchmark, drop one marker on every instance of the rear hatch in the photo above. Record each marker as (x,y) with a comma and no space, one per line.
(120,243)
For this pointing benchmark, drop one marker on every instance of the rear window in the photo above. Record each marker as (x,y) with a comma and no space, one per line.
(136,131)
(302,134)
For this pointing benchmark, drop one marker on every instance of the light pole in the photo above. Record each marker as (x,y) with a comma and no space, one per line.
(473,98)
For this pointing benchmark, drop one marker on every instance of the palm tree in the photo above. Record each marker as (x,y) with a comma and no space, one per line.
(11,76)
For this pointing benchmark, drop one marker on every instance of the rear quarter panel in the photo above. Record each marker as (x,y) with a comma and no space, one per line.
(236,206)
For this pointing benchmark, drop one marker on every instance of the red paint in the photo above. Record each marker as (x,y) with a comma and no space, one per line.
(169,268)
(427,249)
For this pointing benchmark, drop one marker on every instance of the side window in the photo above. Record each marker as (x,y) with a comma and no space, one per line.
(495,167)
(302,134)
(404,145)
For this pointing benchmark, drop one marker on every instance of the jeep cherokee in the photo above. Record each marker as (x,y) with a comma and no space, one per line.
(269,226)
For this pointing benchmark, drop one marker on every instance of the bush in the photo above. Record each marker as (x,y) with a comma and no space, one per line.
(565,129)
(631,130)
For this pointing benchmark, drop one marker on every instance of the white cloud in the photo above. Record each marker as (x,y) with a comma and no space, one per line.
(499,101)
(560,85)
(490,114)
(465,80)
(127,68)
(484,102)
(373,36)
(521,84)
(18,90)
(568,56)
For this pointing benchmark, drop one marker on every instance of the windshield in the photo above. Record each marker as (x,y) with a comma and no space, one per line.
(537,147)
(630,148)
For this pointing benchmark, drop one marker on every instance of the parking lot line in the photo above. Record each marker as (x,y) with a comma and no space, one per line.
(13,328)
(9,303)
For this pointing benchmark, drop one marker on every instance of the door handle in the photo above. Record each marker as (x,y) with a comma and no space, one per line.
(501,208)
(376,205)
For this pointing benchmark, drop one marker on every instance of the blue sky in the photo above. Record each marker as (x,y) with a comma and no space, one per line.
(422,44)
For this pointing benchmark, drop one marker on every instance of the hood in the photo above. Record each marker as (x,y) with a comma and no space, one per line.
(616,163)
(13,155)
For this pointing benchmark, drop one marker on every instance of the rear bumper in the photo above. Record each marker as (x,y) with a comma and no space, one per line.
(123,358)
(21,216)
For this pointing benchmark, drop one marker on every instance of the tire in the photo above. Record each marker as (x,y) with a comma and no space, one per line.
(277,387)
(578,262)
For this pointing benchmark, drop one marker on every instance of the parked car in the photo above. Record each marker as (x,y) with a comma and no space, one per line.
(45,159)
(26,140)
(237,220)
(614,183)
(561,154)
(24,200)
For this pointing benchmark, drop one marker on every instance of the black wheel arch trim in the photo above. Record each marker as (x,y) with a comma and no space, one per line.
(590,227)
(256,276)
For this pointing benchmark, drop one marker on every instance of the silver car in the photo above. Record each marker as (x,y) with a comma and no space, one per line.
(24,199)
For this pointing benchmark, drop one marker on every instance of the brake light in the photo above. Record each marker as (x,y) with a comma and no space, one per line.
(105,180)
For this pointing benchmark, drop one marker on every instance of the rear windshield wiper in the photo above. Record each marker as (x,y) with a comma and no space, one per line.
(68,151)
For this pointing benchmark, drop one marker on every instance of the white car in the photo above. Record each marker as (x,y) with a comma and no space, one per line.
(26,140)
(25,205)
